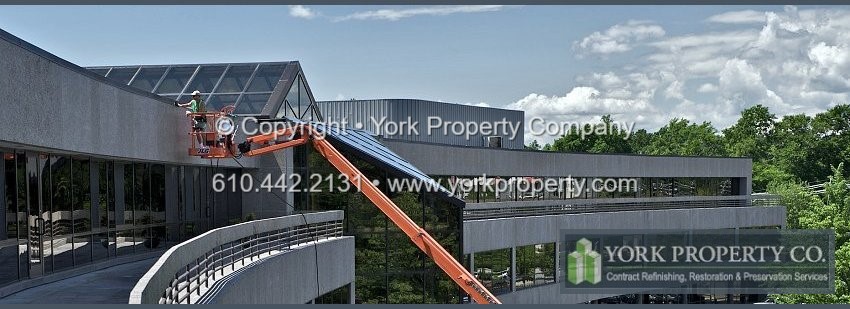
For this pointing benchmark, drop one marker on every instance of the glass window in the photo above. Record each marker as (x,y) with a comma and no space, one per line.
(51,207)
(252,103)
(104,246)
(129,204)
(23,237)
(662,187)
(206,79)
(685,187)
(141,188)
(148,78)
(175,80)
(125,239)
(9,235)
(236,78)
(218,101)
(172,96)
(122,75)
(725,186)
(81,198)
(304,102)
(493,269)
(157,203)
(287,108)
(703,187)
(101,72)
(535,265)
(267,78)
(645,187)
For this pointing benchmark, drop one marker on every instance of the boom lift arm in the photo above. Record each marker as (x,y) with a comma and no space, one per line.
(417,235)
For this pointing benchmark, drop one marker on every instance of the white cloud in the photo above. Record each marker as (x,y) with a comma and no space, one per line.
(397,14)
(742,84)
(707,87)
(301,11)
(481,104)
(619,38)
(738,17)
(793,61)
(584,104)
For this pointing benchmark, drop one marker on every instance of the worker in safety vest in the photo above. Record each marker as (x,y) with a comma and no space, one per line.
(197,106)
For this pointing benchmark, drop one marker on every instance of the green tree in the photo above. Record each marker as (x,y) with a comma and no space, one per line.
(749,137)
(682,138)
(603,137)
(830,211)
(792,149)
(639,141)
(833,144)
(752,136)
(534,145)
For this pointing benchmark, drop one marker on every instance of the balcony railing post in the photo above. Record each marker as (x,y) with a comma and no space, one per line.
(198,277)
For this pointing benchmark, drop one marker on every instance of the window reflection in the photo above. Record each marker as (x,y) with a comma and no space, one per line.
(206,79)
(61,216)
(252,103)
(148,78)
(175,80)
(122,75)
(236,78)
(304,102)
(101,72)
(219,101)
(535,265)
(9,242)
(82,208)
(290,103)
(493,270)
(266,78)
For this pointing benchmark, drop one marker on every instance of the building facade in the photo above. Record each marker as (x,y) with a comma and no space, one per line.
(96,168)
(429,121)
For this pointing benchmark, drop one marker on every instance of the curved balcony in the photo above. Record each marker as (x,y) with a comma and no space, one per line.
(248,263)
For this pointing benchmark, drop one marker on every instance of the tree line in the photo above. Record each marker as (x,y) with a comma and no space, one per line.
(788,153)
(798,148)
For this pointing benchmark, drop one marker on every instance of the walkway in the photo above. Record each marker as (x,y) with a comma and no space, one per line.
(106,286)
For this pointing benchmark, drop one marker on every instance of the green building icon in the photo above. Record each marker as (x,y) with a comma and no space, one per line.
(584,264)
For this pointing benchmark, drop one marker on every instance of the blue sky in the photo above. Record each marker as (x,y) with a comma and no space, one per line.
(646,64)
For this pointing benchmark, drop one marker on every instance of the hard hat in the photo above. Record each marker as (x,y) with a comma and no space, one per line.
(194,93)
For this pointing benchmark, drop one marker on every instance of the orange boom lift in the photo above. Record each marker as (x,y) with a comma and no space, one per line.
(222,146)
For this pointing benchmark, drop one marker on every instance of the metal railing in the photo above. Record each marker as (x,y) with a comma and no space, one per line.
(186,271)
(820,188)
(477,211)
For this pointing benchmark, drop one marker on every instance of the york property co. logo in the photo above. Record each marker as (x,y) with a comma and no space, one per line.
(584,264)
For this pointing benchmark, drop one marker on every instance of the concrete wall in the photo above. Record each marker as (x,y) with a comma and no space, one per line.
(52,105)
(492,234)
(474,161)
(157,279)
(451,160)
(551,294)
(417,112)
(290,278)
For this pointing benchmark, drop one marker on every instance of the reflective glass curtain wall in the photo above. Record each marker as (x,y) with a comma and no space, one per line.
(62,211)
(246,86)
